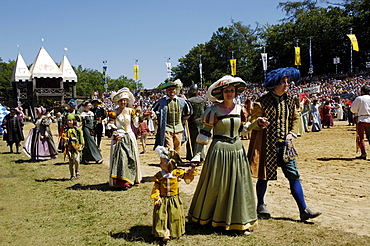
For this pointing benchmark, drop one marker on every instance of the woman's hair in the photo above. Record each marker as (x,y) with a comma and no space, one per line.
(86,103)
(170,166)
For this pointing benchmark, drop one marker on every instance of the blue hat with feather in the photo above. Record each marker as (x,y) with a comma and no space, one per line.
(274,78)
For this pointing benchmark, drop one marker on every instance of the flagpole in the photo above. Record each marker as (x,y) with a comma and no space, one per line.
(264,70)
(310,70)
(137,75)
(200,71)
(351,61)
(297,40)
(105,76)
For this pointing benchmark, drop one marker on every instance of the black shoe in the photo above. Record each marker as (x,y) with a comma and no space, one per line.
(308,214)
(262,212)
(361,157)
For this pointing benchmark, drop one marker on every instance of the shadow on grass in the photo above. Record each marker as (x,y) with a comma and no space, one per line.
(147,179)
(28,160)
(334,159)
(100,187)
(46,180)
(292,220)
(60,163)
(192,228)
(144,233)
(153,165)
(136,234)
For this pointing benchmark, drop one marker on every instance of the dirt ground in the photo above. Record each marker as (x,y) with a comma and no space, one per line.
(334,182)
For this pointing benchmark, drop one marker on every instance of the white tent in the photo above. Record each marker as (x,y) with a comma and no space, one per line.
(20,72)
(68,73)
(44,66)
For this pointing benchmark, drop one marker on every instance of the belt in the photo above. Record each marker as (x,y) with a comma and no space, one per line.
(225,139)
(197,119)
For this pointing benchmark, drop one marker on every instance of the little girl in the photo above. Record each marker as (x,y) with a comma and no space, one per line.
(73,144)
(168,214)
(143,131)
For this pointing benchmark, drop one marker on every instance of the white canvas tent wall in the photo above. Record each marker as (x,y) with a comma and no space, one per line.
(68,73)
(20,71)
(44,66)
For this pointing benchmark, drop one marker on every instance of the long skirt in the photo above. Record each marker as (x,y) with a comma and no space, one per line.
(124,163)
(168,219)
(225,193)
(39,149)
(91,151)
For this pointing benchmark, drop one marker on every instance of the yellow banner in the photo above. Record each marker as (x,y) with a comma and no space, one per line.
(354,43)
(233,66)
(136,72)
(297,58)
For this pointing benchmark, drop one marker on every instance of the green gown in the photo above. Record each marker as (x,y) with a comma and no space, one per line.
(224,194)
(91,151)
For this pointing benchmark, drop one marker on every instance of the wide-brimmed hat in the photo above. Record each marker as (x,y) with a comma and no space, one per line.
(214,92)
(124,93)
(274,78)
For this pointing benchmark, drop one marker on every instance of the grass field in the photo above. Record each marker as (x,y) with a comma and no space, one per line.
(39,205)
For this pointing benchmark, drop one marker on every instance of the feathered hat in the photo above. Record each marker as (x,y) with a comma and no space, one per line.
(170,155)
(214,92)
(274,78)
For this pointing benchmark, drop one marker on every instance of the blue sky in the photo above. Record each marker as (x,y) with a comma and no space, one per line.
(120,31)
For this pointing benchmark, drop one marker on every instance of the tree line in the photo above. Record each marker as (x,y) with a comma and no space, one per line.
(326,27)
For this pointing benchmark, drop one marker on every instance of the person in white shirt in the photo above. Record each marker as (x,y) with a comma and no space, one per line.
(361,108)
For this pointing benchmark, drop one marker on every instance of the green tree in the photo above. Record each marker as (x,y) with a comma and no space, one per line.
(123,81)
(88,80)
(327,28)
(6,71)
(235,41)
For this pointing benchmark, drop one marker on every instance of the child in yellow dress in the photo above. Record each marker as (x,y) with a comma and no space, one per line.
(168,214)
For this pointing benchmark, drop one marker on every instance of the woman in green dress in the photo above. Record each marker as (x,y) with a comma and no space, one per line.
(224,195)
(91,151)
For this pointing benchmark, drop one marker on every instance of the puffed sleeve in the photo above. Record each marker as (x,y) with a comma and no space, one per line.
(155,191)
(204,136)
(187,111)
(257,112)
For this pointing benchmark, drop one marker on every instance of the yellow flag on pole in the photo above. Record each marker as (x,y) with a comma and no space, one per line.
(297,59)
(354,43)
(233,66)
(136,72)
